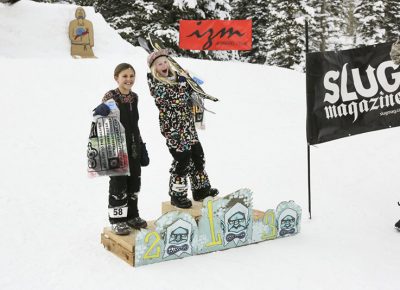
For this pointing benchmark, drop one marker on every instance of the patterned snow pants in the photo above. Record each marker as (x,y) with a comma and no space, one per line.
(190,162)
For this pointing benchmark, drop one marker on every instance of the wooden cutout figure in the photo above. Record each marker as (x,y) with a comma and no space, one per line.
(81,35)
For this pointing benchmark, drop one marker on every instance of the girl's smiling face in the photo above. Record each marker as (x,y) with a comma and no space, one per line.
(162,66)
(125,80)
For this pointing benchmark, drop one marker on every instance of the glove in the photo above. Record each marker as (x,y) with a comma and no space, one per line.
(102,110)
(181,79)
(144,155)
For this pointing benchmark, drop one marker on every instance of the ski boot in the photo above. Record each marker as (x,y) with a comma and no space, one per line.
(137,223)
(121,228)
(202,193)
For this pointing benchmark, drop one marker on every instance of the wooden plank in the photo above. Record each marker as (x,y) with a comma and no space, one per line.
(117,249)
(122,246)
(194,211)
(127,242)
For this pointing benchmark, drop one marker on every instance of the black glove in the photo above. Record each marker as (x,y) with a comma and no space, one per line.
(181,79)
(144,155)
(102,110)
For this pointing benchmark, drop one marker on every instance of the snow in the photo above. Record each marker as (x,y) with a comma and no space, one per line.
(51,214)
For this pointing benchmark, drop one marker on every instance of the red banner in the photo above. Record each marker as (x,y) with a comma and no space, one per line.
(215,34)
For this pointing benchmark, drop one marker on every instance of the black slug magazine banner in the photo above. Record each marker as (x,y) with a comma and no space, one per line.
(351,92)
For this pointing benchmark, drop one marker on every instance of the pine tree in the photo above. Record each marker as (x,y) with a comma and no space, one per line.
(391,20)
(85,2)
(351,21)
(286,34)
(317,25)
(258,12)
(327,24)
(336,24)
(369,15)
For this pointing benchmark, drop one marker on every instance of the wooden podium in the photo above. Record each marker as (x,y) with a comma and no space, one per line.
(208,226)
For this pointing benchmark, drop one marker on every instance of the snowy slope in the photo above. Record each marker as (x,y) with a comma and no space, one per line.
(51,214)
(39,30)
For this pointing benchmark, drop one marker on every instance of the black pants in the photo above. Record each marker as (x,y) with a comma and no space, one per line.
(123,194)
(190,162)
(183,160)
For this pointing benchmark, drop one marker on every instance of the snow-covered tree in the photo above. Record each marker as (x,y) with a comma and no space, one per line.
(351,22)
(370,16)
(391,20)
(286,33)
(258,12)
(327,24)
(336,24)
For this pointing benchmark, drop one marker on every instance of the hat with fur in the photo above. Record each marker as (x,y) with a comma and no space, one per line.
(156,54)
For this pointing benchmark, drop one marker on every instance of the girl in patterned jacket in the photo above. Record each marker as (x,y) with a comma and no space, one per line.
(124,190)
(172,96)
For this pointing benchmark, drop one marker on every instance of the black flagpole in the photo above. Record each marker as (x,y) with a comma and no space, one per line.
(308,145)
(309,180)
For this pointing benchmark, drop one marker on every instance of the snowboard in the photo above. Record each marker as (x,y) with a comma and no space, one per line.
(107,152)
(154,44)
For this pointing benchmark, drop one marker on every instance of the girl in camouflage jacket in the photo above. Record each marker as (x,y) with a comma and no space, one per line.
(172,96)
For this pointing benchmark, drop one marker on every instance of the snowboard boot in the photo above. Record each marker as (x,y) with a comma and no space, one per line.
(202,193)
(181,201)
(134,220)
(201,187)
(137,223)
(178,191)
(121,228)
(397,225)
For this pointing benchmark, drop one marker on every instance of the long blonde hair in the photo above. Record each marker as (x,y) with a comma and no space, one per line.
(162,79)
